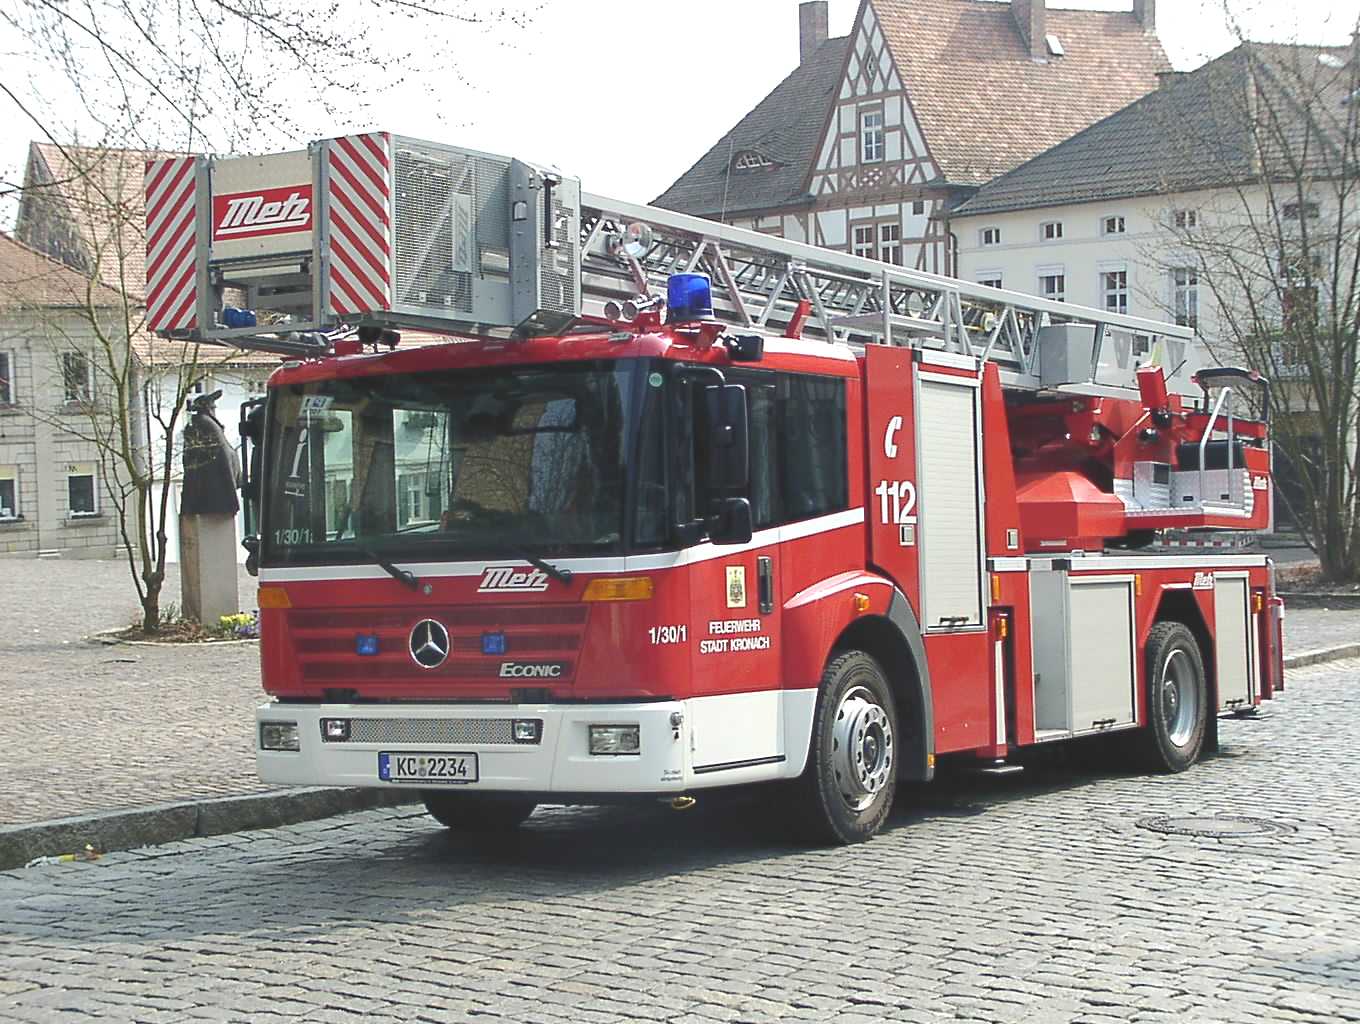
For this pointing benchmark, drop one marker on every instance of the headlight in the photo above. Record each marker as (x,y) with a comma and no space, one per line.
(614,739)
(279,736)
(527,730)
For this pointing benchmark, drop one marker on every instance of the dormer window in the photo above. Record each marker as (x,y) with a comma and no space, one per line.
(750,160)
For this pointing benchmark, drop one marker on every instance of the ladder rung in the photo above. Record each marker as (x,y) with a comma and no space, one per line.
(873,323)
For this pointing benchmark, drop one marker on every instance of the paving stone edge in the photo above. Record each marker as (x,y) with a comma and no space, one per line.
(1317,657)
(167,823)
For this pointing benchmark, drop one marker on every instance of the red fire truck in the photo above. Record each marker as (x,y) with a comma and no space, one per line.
(562,499)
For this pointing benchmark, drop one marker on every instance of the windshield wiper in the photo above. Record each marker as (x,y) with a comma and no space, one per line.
(562,576)
(399,574)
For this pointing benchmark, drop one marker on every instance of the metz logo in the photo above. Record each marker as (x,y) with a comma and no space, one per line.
(267,211)
(505,579)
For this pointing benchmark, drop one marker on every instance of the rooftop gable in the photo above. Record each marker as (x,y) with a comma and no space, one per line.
(783,129)
(31,280)
(86,206)
(985,104)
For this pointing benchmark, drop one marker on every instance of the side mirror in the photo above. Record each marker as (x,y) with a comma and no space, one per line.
(731,522)
(725,443)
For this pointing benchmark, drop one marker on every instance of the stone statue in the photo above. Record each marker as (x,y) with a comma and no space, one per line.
(207,519)
(212,469)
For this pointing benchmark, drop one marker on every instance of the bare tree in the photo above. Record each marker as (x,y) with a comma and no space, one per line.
(1275,243)
(139,78)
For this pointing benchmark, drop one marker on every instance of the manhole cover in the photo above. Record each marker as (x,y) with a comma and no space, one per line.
(1213,827)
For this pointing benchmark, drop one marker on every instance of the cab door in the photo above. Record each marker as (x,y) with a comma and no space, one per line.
(736,598)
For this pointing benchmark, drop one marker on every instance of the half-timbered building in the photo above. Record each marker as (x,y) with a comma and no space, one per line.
(873,138)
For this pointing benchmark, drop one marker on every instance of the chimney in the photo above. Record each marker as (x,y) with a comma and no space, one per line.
(1145,11)
(813,28)
(1166,78)
(1032,18)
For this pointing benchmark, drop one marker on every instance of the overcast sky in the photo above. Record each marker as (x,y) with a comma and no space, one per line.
(627,94)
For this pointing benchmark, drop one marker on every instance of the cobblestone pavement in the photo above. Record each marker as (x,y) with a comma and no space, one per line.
(1029,898)
(85,727)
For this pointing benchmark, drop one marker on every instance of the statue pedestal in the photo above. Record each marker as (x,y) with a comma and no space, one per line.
(207,567)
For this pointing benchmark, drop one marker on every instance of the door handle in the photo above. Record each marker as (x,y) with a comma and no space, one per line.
(765,584)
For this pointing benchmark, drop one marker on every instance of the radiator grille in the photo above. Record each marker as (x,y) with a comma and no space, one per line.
(430,730)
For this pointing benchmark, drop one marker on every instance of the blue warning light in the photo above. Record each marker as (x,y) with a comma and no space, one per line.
(689,297)
(366,644)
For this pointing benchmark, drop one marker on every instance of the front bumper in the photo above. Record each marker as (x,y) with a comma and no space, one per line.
(560,762)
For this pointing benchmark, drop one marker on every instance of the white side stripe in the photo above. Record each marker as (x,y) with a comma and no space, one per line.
(620,564)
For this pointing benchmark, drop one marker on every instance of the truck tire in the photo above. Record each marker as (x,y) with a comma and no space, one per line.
(846,791)
(478,812)
(1178,699)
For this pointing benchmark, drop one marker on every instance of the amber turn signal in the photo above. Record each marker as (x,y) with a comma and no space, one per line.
(274,597)
(623,588)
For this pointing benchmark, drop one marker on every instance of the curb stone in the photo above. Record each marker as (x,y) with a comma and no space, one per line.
(1310,599)
(167,823)
(1321,655)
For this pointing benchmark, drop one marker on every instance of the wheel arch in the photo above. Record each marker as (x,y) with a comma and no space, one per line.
(1181,606)
(894,640)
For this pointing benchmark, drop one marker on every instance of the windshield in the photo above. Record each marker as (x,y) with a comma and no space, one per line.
(482,463)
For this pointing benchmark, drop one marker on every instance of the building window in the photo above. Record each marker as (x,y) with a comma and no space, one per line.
(871,136)
(77,377)
(990,236)
(918,207)
(864,241)
(9,493)
(1186,220)
(1053,284)
(1299,265)
(1114,290)
(1185,296)
(1051,230)
(1298,211)
(890,243)
(7,392)
(1112,225)
(82,498)
(1299,307)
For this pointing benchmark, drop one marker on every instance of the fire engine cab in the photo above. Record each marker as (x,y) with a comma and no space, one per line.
(561,499)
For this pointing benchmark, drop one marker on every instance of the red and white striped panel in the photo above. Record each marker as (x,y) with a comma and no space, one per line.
(360,223)
(171,244)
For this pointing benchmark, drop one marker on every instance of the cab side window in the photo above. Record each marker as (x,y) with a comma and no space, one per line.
(816,479)
(797,426)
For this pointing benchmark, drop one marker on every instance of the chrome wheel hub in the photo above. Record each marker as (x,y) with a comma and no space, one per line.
(1177,691)
(861,748)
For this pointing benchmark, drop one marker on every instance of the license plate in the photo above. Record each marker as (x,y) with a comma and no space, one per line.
(428,769)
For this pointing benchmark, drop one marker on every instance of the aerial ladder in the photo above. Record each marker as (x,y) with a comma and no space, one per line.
(1121,425)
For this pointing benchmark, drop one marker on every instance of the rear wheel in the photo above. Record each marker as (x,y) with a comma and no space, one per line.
(478,812)
(1178,699)
(846,791)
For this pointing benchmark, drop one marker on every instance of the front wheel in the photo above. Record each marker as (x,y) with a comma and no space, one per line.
(478,812)
(1178,699)
(847,788)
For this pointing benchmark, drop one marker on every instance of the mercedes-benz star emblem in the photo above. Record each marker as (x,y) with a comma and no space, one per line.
(429,643)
